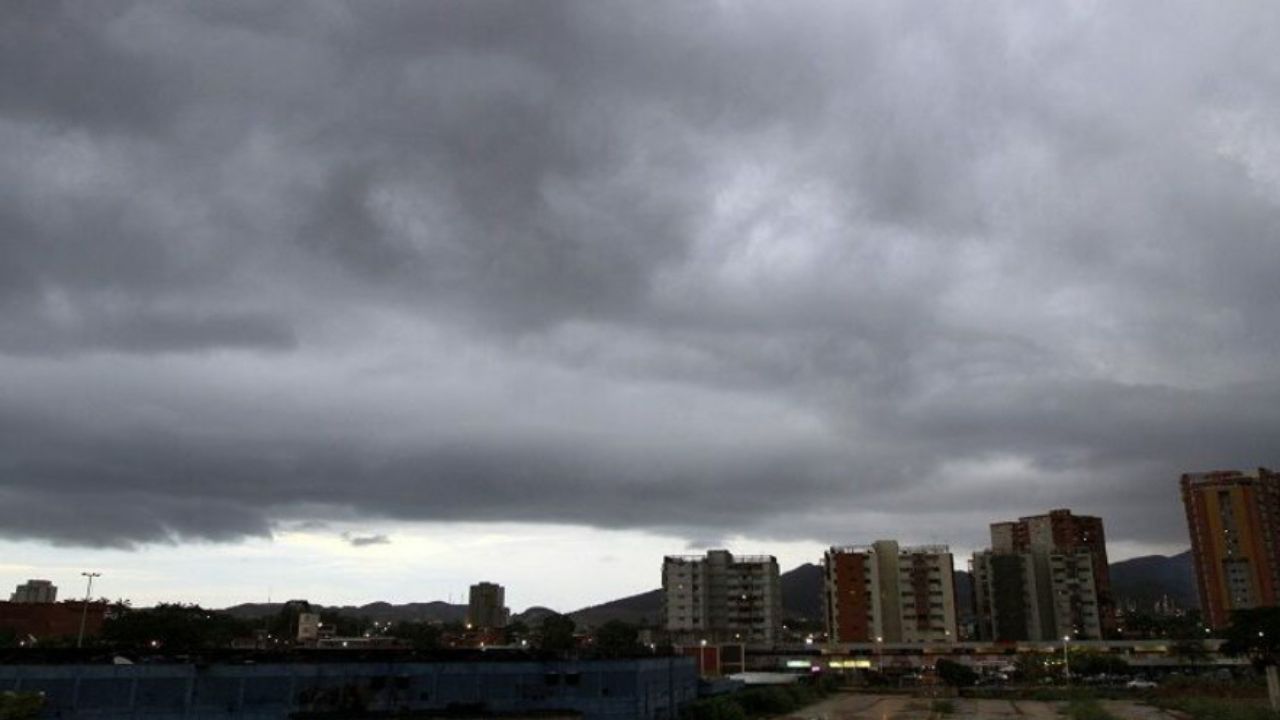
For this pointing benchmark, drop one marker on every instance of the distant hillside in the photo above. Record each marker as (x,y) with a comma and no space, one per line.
(248,611)
(437,611)
(802,592)
(534,616)
(1144,580)
(642,609)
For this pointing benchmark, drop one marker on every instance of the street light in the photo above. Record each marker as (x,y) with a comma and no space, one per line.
(1066,658)
(84,610)
(880,654)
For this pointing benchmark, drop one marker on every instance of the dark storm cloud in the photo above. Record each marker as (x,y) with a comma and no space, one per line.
(820,271)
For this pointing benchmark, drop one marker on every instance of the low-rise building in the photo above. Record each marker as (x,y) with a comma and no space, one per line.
(43,621)
(308,627)
(498,686)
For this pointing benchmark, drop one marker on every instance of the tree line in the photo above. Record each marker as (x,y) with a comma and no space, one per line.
(186,628)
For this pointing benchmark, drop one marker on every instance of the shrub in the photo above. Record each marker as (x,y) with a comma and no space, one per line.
(757,702)
(955,674)
(767,701)
(714,708)
(20,706)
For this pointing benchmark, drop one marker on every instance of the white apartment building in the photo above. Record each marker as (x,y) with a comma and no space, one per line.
(722,598)
(1075,595)
(926,593)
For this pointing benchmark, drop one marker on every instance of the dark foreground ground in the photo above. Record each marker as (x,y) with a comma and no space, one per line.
(896,707)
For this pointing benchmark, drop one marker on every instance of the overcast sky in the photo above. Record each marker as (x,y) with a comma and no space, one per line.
(374,300)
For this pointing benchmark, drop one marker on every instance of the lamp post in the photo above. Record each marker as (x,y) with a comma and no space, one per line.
(1066,657)
(84,609)
(880,654)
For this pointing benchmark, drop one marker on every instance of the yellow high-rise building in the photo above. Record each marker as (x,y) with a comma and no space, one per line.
(1234,521)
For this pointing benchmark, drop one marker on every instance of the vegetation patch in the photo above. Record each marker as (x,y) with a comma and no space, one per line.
(1204,708)
(1087,710)
(759,702)
(20,706)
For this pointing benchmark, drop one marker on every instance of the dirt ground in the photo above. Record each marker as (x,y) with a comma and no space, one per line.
(847,706)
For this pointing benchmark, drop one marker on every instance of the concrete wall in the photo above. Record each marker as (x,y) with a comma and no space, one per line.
(648,689)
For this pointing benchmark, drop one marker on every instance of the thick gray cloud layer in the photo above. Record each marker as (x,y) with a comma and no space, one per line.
(822,270)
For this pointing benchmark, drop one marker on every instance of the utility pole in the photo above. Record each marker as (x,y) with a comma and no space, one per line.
(84,609)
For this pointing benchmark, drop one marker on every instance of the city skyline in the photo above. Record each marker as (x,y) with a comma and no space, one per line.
(442,579)
(361,301)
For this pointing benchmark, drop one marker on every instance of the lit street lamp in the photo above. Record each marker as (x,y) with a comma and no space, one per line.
(1066,658)
(84,610)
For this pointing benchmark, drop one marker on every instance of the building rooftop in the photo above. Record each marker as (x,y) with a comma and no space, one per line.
(745,559)
(903,550)
(1213,476)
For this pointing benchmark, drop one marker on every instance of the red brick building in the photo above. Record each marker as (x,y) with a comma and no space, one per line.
(850,615)
(887,593)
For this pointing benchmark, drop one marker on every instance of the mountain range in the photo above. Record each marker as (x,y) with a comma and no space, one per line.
(1145,580)
(1141,580)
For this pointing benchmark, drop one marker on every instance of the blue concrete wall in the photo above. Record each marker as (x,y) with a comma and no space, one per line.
(648,689)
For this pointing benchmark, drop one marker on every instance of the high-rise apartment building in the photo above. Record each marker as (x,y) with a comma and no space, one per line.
(1035,595)
(35,591)
(1234,521)
(486,607)
(1061,532)
(886,593)
(722,598)
(1045,577)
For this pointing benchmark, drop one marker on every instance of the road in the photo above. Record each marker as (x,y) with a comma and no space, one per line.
(848,706)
